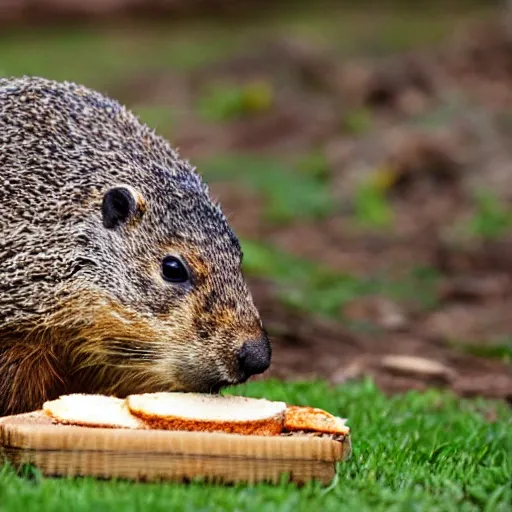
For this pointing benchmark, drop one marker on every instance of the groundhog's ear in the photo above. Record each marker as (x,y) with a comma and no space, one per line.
(120,204)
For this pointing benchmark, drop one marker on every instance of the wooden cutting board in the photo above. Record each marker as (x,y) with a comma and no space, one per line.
(157,455)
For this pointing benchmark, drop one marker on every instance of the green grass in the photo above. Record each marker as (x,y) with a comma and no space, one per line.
(161,118)
(304,285)
(298,190)
(291,192)
(394,25)
(491,219)
(500,349)
(357,121)
(372,208)
(223,103)
(418,452)
(98,57)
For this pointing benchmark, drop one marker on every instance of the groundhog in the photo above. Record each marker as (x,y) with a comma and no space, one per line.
(118,273)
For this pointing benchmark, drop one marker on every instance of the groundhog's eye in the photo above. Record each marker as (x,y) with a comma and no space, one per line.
(173,270)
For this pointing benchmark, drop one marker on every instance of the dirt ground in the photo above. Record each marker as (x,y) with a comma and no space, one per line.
(440,131)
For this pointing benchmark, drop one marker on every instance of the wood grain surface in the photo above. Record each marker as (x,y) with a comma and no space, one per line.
(157,455)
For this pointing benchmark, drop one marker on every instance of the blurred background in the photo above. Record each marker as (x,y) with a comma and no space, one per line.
(362,151)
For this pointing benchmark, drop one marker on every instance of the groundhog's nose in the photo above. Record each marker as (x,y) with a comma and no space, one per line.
(254,356)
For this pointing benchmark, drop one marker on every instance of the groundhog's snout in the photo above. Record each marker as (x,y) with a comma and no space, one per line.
(254,357)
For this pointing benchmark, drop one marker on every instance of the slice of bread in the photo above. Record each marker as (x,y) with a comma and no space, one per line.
(92,411)
(311,419)
(209,413)
(194,412)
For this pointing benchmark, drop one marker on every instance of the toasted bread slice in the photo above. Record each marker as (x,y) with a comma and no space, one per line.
(92,411)
(311,419)
(209,413)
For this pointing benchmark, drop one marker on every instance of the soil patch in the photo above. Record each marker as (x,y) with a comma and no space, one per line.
(429,131)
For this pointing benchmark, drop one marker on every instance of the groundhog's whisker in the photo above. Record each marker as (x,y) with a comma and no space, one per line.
(126,348)
(120,348)
(114,356)
(129,351)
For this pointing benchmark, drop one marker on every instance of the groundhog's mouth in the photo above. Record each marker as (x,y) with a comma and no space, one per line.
(216,389)
(211,386)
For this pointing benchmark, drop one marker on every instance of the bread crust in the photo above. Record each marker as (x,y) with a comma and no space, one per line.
(266,427)
(141,406)
(312,419)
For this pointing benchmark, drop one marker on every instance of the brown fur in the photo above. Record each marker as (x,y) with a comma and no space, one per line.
(84,307)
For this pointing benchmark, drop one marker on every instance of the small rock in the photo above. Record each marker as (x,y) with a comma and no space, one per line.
(418,366)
